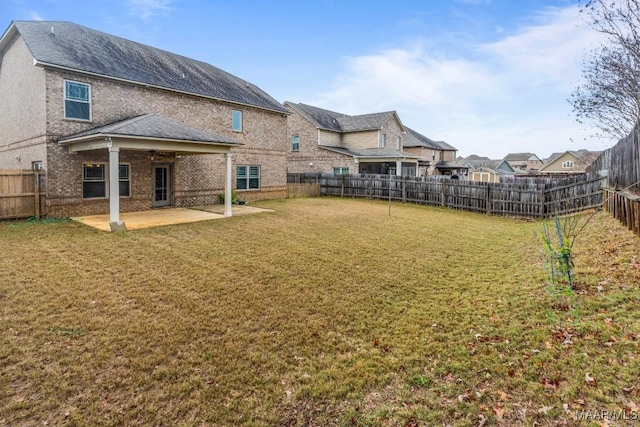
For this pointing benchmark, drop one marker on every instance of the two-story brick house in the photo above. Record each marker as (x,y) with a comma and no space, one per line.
(118,125)
(435,157)
(326,141)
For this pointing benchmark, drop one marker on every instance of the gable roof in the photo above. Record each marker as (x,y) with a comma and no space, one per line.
(582,160)
(521,157)
(66,45)
(151,126)
(339,122)
(498,166)
(415,139)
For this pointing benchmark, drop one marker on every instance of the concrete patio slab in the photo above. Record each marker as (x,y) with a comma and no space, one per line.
(167,216)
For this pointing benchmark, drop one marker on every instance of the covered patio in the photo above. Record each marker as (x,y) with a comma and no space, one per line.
(154,134)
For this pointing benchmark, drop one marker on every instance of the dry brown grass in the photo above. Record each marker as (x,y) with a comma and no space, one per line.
(327,312)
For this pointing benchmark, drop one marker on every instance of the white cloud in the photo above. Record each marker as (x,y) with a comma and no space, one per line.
(510,96)
(35,16)
(148,8)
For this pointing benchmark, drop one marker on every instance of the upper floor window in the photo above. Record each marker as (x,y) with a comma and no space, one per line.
(77,100)
(383,140)
(236,120)
(295,143)
(567,164)
(399,143)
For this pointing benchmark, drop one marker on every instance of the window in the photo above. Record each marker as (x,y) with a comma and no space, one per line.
(399,142)
(94,182)
(236,120)
(340,171)
(383,140)
(37,165)
(124,180)
(77,100)
(295,143)
(567,164)
(248,178)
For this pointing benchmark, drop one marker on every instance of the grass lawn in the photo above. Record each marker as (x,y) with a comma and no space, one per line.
(326,312)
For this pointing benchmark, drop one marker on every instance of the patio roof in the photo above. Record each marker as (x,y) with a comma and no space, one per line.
(150,132)
(376,154)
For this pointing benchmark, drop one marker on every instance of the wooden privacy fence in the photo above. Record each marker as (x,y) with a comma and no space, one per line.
(625,207)
(620,165)
(21,195)
(529,197)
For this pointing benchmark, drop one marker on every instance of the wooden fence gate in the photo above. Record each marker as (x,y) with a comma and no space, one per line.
(21,194)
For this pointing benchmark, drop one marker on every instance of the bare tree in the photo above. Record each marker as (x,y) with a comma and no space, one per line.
(610,94)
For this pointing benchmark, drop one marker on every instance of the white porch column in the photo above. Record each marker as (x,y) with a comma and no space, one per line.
(398,167)
(114,189)
(227,186)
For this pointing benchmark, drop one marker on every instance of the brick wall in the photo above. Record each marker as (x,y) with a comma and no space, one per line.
(198,178)
(22,108)
(311,157)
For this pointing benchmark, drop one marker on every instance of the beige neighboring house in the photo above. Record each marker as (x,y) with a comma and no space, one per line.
(569,162)
(434,156)
(524,163)
(121,126)
(326,141)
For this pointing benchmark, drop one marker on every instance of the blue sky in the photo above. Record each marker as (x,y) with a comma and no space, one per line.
(489,77)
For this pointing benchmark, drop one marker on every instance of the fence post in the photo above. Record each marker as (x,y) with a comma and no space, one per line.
(404,189)
(489,205)
(36,190)
(442,193)
(342,185)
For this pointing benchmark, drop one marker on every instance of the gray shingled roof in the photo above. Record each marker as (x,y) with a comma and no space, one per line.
(416,139)
(338,122)
(519,157)
(365,121)
(153,126)
(68,45)
(372,152)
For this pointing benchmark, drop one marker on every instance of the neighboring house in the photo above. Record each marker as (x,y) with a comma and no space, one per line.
(326,141)
(569,162)
(118,125)
(483,169)
(431,153)
(524,163)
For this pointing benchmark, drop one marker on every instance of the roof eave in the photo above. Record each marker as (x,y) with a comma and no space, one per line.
(104,76)
(7,37)
(97,136)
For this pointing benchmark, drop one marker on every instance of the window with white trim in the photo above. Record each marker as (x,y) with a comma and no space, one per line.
(94,183)
(399,143)
(340,171)
(77,100)
(248,177)
(295,143)
(236,121)
(94,180)
(383,140)
(567,164)
(124,180)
